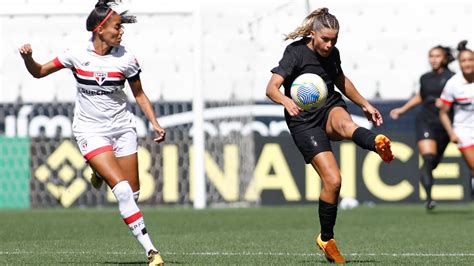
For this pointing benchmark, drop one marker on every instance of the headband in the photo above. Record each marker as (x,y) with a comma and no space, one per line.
(103,21)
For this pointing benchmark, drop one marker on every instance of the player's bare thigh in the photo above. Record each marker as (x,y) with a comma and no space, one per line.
(427,146)
(468,155)
(108,166)
(129,166)
(340,125)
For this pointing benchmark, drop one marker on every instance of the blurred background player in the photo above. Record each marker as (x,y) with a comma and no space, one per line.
(432,139)
(104,126)
(458,94)
(316,53)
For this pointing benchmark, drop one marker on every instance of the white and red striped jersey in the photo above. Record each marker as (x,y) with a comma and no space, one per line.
(101,104)
(459,94)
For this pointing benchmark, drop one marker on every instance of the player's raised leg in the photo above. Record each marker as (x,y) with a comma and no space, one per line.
(96,179)
(341,126)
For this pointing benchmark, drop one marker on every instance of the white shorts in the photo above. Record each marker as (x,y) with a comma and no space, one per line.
(467,137)
(123,143)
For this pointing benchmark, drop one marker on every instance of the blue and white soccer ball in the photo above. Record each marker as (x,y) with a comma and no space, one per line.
(309,91)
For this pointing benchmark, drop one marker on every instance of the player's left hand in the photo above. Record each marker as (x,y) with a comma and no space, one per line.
(161,133)
(373,115)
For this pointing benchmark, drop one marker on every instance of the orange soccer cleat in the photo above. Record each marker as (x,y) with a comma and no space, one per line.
(382,145)
(330,250)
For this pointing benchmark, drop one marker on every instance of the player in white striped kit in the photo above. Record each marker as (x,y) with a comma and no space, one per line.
(104,126)
(459,95)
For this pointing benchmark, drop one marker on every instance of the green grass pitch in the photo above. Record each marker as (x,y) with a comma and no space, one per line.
(383,234)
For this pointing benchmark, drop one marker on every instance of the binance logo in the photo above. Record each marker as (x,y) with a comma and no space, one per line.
(63,164)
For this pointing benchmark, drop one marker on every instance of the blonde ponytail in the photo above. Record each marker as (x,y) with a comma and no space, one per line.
(318,19)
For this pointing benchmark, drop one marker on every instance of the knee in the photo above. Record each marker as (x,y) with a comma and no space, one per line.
(332,184)
(430,161)
(123,191)
(347,128)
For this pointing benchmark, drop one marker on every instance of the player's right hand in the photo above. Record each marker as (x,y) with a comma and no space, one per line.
(292,108)
(25,51)
(395,113)
(455,139)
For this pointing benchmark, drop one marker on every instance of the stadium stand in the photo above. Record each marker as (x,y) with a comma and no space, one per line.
(383,45)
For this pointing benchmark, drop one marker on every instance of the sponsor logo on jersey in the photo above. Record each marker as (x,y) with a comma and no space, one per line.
(100,77)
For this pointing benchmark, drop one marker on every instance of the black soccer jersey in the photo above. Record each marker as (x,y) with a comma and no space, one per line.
(431,86)
(300,59)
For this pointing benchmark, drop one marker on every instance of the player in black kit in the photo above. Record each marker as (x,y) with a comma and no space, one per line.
(316,53)
(431,136)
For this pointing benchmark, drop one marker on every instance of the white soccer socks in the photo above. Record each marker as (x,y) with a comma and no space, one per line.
(131,214)
(136,195)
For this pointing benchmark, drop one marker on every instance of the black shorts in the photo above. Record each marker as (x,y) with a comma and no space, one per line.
(427,129)
(314,139)
(311,142)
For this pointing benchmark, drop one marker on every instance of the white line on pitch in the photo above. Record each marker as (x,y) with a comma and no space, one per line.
(20,252)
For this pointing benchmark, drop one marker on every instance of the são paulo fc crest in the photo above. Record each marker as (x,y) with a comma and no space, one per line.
(83,144)
(100,77)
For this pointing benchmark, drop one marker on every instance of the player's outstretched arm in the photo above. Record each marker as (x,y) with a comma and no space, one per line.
(414,101)
(349,90)
(147,108)
(273,92)
(446,121)
(36,70)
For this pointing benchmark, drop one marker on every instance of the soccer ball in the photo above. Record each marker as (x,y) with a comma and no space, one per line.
(348,203)
(309,91)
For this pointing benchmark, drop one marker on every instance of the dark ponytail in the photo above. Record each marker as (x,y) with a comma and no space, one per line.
(103,3)
(102,10)
(462,46)
(448,55)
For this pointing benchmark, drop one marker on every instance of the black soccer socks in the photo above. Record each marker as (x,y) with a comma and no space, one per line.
(327,219)
(426,173)
(364,138)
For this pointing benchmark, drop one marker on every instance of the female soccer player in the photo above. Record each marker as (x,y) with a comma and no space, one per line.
(432,138)
(104,126)
(316,53)
(458,94)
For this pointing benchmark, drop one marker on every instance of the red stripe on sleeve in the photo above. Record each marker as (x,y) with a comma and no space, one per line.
(93,153)
(133,218)
(448,103)
(57,63)
(461,99)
